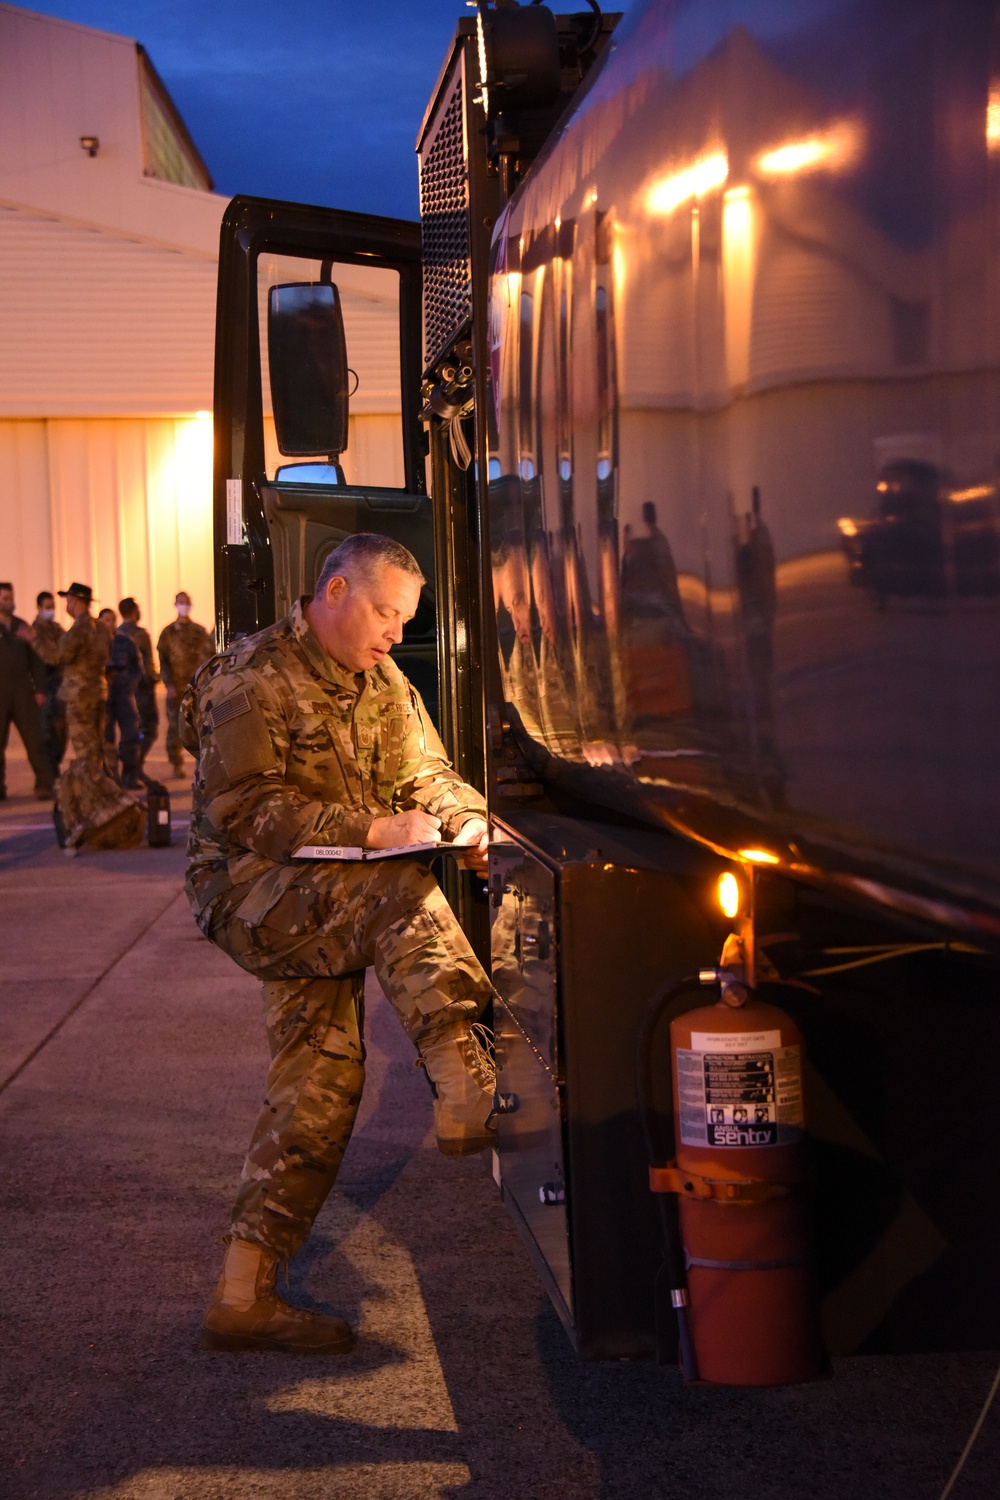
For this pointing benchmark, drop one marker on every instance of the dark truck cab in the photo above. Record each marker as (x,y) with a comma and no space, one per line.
(649,326)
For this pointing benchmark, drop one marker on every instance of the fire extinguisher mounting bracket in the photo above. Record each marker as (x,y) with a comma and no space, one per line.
(732,984)
(671,1179)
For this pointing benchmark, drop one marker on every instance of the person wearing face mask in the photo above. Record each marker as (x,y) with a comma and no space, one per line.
(22,692)
(48,637)
(182,648)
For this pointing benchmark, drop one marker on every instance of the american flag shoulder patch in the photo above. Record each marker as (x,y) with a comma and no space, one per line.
(238,704)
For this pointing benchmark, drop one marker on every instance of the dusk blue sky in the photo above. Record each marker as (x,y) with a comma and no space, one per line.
(318,101)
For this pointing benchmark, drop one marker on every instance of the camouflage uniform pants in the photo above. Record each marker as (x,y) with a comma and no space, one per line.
(85,721)
(311,947)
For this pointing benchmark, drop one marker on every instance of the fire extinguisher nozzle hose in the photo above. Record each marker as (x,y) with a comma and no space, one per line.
(659,1152)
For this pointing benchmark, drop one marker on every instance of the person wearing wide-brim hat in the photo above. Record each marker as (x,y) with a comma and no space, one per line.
(79,591)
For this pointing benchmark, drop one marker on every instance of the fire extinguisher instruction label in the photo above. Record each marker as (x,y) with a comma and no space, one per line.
(739,1090)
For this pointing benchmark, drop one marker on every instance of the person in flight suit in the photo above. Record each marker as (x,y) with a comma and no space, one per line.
(145,693)
(22,689)
(308,733)
(124,673)
(182,648)
(48,634)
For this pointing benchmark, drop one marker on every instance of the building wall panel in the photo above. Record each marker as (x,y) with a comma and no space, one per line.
(25,523)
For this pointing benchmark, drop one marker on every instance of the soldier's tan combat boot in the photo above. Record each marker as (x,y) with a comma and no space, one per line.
(464,1079)
(247,1313)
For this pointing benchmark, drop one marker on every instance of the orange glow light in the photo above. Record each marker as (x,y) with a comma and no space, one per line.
(830,149)
(847,526)
(729,896)
(759,856)
(993,118)
(693,181)
(974,492)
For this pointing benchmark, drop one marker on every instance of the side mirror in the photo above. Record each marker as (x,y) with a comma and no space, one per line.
(307,362)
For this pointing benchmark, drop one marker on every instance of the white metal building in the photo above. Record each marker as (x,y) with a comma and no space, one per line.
(109,236)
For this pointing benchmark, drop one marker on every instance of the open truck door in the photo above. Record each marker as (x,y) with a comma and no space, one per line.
(308,306)
(318,435)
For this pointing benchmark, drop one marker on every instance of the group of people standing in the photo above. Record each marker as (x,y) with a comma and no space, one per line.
(93,684)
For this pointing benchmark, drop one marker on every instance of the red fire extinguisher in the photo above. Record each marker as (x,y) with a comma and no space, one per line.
(740,1264)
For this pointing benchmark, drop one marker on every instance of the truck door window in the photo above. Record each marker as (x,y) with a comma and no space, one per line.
(369,297)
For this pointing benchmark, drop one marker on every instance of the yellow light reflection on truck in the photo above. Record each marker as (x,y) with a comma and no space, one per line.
(687,183)
(829,149)
(993,118)
(974,492)
(759,856)
(739,274)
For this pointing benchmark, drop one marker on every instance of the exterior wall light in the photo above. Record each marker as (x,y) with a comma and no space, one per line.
(90,144)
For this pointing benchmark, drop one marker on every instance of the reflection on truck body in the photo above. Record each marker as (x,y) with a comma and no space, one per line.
(927,539)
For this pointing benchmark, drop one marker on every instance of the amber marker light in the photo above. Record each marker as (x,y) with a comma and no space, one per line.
(759,857)
(729,895)
(692,181)
(847,527)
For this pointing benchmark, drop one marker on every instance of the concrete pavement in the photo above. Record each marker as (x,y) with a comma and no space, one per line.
(131,1067)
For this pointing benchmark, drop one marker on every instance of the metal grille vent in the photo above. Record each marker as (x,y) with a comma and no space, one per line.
(445,230)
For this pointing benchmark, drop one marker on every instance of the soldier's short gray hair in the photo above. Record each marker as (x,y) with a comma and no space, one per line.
(364,552)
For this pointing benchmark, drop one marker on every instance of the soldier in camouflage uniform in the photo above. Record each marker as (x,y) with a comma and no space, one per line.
(182,648)
(83,655)
(92,808)
(47,639)
(308,733)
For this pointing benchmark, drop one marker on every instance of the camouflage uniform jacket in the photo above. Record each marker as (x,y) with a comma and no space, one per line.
(144,646)
(182,648)
(294,749)
(83,656)
(48,639)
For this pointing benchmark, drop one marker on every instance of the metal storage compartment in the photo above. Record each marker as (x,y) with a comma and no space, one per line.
(571,1161)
